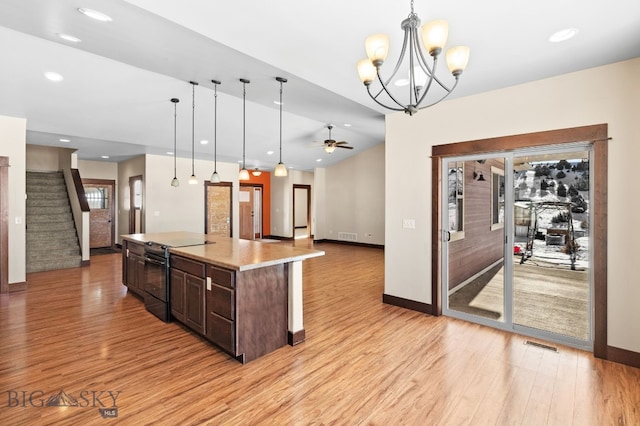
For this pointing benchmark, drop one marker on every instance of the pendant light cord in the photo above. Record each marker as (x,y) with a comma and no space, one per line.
(244,120)
(281,120)
(215,127)
(175,120)
(193,125)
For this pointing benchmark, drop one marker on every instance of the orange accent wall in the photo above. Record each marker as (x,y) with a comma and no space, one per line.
(265,180)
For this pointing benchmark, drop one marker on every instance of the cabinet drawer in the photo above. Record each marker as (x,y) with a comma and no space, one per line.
(220,300)
(223,277)
(187,265)
(135,248)
(221,331)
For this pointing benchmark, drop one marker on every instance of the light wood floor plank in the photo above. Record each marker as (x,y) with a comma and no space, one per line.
(363,362)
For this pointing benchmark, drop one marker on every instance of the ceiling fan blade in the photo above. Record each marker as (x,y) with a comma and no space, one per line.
(343,146)
(341,143)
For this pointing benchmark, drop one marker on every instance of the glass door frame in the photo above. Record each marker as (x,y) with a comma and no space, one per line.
(509,233)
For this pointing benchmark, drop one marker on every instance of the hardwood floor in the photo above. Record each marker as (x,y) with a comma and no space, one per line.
(364,362)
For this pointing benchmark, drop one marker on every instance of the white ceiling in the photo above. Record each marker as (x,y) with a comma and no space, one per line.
(118,81)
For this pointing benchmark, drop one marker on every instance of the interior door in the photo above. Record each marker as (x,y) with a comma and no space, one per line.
(246,213)
(99,195)
(218,207)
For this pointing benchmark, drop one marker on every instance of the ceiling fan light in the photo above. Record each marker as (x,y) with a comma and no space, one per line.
(329,149)
(280,170)
(434,36)
(457,59)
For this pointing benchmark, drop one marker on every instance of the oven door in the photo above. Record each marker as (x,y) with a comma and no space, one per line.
(156,294)
(155,280)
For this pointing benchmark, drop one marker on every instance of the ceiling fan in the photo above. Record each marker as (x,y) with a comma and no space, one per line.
(330,145)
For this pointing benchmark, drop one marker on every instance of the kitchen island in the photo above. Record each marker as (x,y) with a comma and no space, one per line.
(244,296)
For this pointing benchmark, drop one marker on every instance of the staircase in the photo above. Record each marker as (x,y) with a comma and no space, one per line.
(52,242)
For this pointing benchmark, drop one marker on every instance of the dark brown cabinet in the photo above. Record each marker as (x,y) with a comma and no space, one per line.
(187,292)
(133,271)
(221,308)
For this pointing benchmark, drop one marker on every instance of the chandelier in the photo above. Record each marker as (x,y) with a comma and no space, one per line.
(421,74)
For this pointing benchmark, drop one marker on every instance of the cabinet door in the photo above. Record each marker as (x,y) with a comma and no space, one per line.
(178,295)
(135,271)
(195,313)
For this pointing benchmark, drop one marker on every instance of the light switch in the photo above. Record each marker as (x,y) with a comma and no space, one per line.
(18,220)
(409,223)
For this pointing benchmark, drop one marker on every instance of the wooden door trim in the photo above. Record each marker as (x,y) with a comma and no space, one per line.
(261,186)
(597,136)
(4,224)
(132,211)
(112,210)
(308,188)
(208,183)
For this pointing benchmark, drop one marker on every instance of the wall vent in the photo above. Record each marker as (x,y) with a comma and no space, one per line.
(349,236)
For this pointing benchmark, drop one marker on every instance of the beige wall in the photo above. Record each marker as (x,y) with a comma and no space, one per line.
(608,94)
(98,170)
(282,201)
(127,169)
(353,192)
(181,209)
(13,145)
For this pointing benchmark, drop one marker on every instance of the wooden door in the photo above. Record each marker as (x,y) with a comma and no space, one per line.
(4,224)
(246,213)
(99,194)
(218,208)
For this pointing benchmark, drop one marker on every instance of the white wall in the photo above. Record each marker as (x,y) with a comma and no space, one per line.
(608,94)
(13,145)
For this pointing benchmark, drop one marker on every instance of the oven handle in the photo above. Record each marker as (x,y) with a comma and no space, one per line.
(154,261)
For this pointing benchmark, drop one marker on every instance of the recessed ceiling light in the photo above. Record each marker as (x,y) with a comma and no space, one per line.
(563,35)
(269,152)
(64,140)
(204,142)
(95,14)
(347,125)
(104,156)
(169,152)
(69,37)
(53,76)
(319,160)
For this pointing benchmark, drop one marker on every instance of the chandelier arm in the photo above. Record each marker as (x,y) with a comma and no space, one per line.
(428,85)
(432,71)
(443,97)
(375,98)
(393,74)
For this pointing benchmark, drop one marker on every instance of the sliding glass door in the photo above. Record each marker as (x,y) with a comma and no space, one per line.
(516,242)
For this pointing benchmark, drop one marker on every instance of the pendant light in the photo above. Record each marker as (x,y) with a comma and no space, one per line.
(193,180)
(244,174)
(174,182)
(281,169)
(215,177)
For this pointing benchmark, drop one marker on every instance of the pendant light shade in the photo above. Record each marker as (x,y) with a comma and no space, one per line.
(215,177)
(244,173)
(193,180)
(281,169)
(174,182)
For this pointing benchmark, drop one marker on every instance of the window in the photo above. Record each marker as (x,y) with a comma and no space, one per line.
(97,198)
(497,198)
(456,200)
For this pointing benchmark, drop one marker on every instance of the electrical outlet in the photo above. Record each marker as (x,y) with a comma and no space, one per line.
(209,283)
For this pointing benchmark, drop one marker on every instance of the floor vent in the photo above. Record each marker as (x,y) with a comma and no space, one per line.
(349,236)
(541,345)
